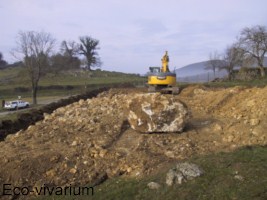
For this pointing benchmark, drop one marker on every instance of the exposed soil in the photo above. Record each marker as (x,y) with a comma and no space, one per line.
(90,140)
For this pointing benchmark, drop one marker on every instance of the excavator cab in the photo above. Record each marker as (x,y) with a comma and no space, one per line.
(154,69)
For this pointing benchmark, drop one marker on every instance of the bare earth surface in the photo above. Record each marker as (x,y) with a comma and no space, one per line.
(89,141)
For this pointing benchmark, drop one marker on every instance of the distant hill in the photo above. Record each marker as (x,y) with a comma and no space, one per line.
(192,69)
(196,72)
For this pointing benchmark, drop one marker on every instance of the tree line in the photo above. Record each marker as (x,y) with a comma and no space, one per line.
(249,49)
(35,51)
(3,63)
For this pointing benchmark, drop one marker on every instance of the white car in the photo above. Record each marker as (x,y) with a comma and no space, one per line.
(16,104)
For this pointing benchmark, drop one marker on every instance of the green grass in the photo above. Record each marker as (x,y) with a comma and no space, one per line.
(13,116)
(251,83)
(14,82)
(9,73)
(42,101)
(218,182)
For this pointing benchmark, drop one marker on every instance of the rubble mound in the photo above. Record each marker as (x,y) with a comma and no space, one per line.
(150,113)
(238,114)
(91,140)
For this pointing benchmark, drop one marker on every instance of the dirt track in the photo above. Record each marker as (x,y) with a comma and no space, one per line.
(89,141)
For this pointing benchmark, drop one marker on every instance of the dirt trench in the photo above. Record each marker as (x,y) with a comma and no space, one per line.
(90,140)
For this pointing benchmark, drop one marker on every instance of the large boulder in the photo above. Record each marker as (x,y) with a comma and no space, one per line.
(155,112)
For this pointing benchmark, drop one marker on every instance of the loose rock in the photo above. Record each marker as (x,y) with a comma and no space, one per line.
(183,172)
(153,185)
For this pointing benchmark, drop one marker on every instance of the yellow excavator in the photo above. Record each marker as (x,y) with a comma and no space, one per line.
(161,79)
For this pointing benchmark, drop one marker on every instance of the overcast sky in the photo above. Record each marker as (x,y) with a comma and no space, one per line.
(134,34)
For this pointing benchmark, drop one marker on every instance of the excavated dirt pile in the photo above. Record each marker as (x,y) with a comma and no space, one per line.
(91,140)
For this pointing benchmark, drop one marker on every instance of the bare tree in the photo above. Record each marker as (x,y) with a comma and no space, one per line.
(214,62)
(34,48)
(88,48)
(254,43)
(69,49)
(233,56)
(68,59)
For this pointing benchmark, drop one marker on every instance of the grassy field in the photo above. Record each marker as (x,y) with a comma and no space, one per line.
(14,82)
(41,101)
(251,83)
(218,182)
